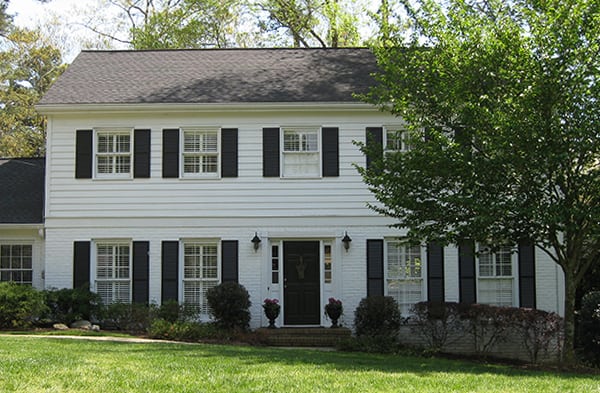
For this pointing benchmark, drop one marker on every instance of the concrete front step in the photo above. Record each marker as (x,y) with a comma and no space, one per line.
(304,337)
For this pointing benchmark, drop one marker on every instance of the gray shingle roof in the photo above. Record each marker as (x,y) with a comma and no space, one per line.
(22,185)
(214,76)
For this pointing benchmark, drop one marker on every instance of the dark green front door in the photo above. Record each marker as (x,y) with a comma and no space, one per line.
(301,289)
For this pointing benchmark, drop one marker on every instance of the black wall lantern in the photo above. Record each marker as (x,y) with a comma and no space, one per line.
(256,241)
(346,240)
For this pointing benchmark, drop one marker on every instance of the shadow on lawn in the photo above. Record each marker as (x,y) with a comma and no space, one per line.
(344,361)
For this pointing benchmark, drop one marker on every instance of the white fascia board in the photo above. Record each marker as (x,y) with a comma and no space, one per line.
(50,109)
(20,226)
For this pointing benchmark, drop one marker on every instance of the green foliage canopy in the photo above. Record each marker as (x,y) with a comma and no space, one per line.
(28,66)
(501,101)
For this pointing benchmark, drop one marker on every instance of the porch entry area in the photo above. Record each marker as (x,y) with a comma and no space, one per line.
(301,283)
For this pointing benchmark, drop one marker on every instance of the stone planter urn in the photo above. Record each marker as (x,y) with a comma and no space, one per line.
(272,309)
(334,310)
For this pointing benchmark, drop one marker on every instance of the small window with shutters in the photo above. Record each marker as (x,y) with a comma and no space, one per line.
(200,150)
(113,270)
(201,271)
(495,275)
(113,153)
(405,272)
(301,152)
(398,139)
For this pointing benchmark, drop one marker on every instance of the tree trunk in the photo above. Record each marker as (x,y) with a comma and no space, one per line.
(569,332)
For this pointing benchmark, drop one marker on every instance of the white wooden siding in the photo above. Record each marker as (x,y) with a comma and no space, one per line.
(158,209)
(250,194)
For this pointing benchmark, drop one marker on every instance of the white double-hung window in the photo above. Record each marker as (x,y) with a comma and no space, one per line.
(200,272)
(16,263)
(496,281)
(113,271)
(113,153)
(397,139)
(301,152)
(200,152)
(404,273)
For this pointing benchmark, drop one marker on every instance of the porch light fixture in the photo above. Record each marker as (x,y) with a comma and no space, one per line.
(346,240)
(256,241)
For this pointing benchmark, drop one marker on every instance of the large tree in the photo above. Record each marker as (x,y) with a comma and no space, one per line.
(501,102)
(28,66)
(169,24)
(5,18)
(320,23)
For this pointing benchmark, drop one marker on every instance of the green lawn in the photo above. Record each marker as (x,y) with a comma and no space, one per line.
(46,364)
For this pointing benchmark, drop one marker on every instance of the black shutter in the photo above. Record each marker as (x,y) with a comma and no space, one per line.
(170,271)
(466,272)
(271,152)
(331,159)
(229,260)
(374,267)
(435,272)
(170,163)
(229,152)
(374,138)
(81,264)
(141,261)
(527,296)
(83,154)
(141,153)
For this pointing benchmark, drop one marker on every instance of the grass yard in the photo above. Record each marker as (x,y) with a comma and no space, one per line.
(46,364)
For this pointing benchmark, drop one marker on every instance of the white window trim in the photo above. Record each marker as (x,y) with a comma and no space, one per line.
(94,262)
(112,176)
(387,241)
(514,257)
(181,274)
(182,153)
(282,152)
(17,242)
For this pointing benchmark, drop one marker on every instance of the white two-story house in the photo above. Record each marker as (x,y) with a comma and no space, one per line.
(168,172)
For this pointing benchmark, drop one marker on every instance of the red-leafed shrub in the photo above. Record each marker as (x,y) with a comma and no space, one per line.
(439,324)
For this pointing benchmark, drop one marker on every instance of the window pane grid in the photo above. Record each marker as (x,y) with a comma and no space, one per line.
(113,153)
(496,291)
(404,274)
(496,281)
(397,140)
(200,151)
(113,269)
(328,264)
(275,264)
(496,264)
(200,273)
(300,141)
(16,263)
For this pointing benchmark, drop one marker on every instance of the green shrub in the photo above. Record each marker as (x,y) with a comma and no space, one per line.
(20,305)
(172,311)
(589,328)
(134,317)
(69,305)
(377,316)
(184,330)
(229,304)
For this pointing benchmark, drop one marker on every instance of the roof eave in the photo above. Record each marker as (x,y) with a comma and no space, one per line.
(18,225)
(52,109)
